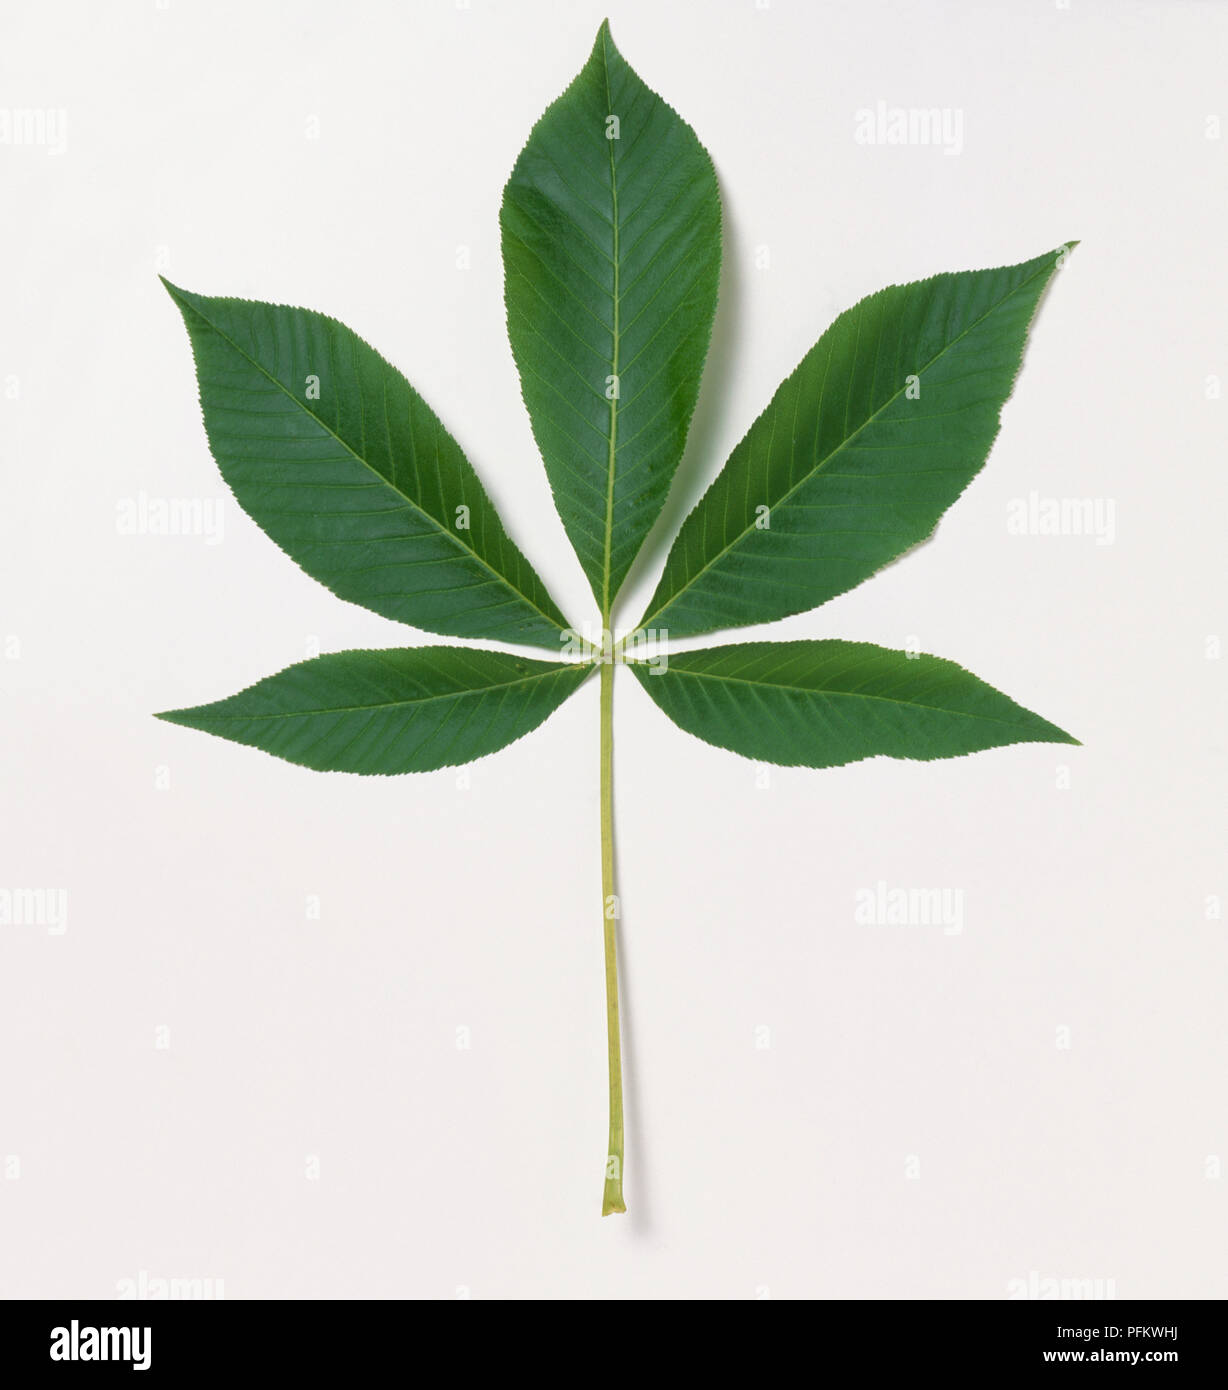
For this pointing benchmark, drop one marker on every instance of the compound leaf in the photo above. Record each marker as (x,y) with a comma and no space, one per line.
(611,250)
(407,710)
(864,446)
(335,455)
(821,704)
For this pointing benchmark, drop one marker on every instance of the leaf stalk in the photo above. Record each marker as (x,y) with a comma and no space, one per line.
(612,1195)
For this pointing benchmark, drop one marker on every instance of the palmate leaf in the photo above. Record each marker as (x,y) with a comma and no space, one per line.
(822,704)
(864,446)
(611,249)
(611,243)
(334,454)
(403,710)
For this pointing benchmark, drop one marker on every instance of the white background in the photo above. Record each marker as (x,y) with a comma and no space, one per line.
(894,1051)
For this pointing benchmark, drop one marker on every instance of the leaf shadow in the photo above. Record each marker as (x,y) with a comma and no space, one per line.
(696,468)
(639,1208)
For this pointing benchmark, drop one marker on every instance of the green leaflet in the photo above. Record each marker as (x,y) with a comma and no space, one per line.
(864,446)
(821,704)
(611,249)
(335,455)
(407,710)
